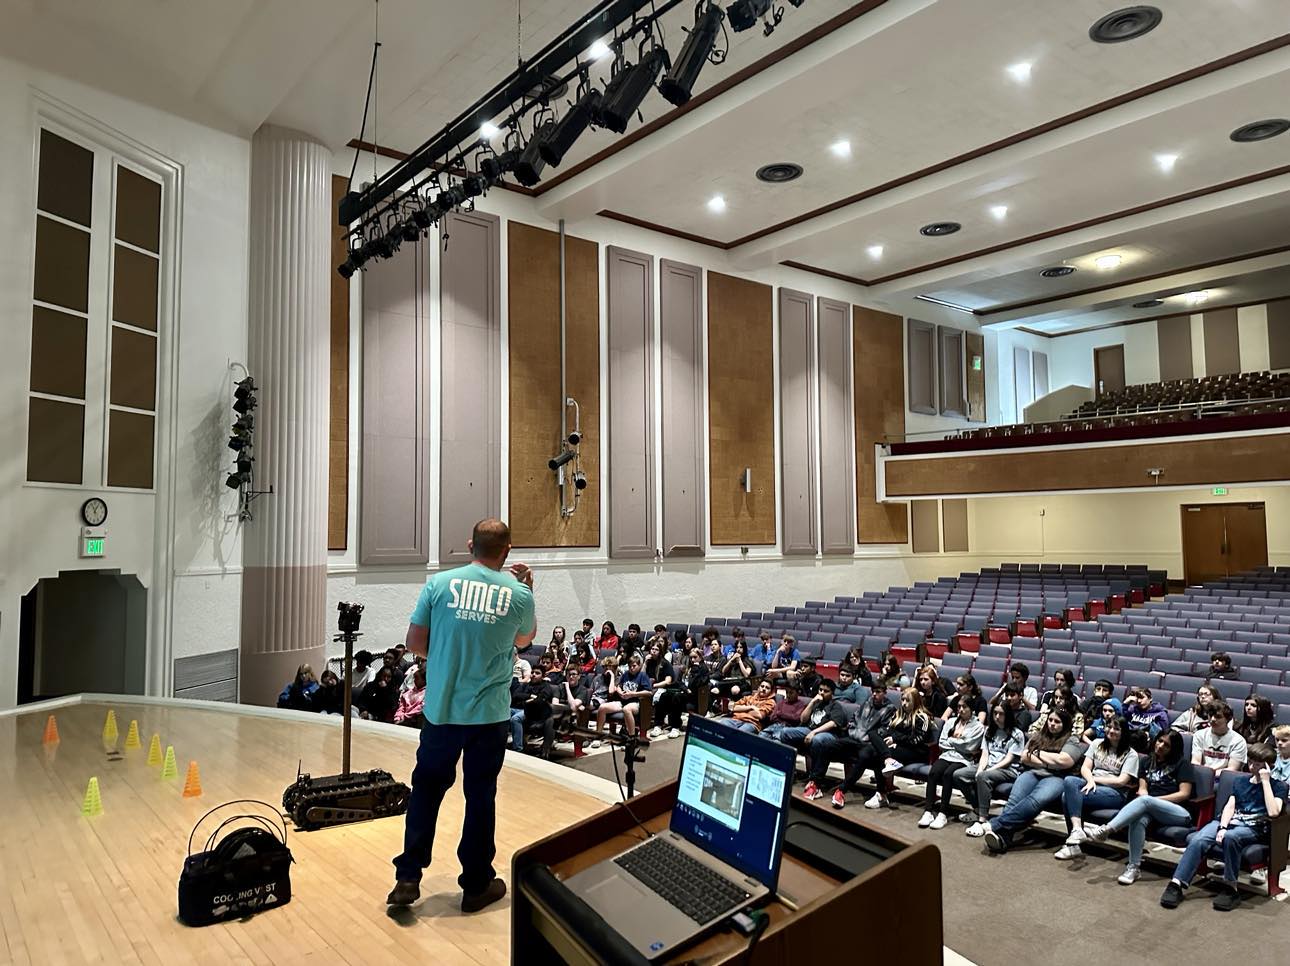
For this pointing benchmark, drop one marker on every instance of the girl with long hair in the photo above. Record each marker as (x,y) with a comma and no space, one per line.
(909,737)
(1196,717)
(1061,698)
(932,688)
(1256,726)
(736,672)
(1049,757)
(966,689)
(960,744)
(1000,758)
(608,639)
(1106,775)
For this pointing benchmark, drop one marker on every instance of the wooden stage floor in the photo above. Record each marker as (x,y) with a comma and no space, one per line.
(103,889)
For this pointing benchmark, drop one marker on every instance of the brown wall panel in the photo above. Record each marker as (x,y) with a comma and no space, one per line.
(1252,459)
(66,179)
(797,421)
(57,353)
(954,520)
(1279,334)
(129,449)
(974,343)
(680,318)
(1222,342)
(138,210)
(741,411)
(533,284)
(134,288)
(630,417)
(925,526)
(1174,339)
(338,409)
(879,360)
(134,369)
(62,265)
(55,441)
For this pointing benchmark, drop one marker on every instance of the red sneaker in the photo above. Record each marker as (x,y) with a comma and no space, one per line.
(812,791)
(839,800)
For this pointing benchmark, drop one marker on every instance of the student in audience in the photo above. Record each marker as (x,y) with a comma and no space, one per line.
(1197,716)
(1220,667)
(891,676)
(364,671)
(633,687)
(736,672)
(1015,697)
(859,667)
(784,659)
(531,705)
(584,658)
(1061,699)
(805,676)
(521,670)
(557,642)
(393,660)
(405,662)
(1019,674)
(1145,715)
(630,643)
(588,626)
(1256,724)
(1102,689)
(1049,757)
(1281,767)
(822,722)
(998,762)
(608,639)
(786,713)
(713,656)
(1110,708)
(1245,821)
(1219,746)
(752,712)
(297,696)
(1063,678)
(736,635)
(932,688)
(761,651)
(379,698)
(658,666)
(1106,776)
(966,689)
(673,701)
(1165,784)
(909,737)
(412,700)
(863,747)
(849,690)
(960,744)
(330,696)
(409,680)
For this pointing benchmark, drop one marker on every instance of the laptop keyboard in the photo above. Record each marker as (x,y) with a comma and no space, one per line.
(683,881)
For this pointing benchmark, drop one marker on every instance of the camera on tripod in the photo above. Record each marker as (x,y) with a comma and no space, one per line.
(350,616)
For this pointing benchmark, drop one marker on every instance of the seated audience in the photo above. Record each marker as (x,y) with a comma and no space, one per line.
(1102,689)
(1165,784)
(909,737)
(521,670)
(1219,746)
(862,746)
(379,698)
(1019,674)
(848,689)
(674,700)
(330,696)
(966,689)
(999,762)
(584,658)
(805,676)
(932,688)
(787,712)
(1060,699)
(1013,695)
(625,696)
(608,639)
(557,642)
(1110,708)
(1146,717)
(630,643)
(736,672)
(761,651)
(1256,724)
(658,665)
(1063,678)
(393,659)
(891,676)
(736,635)
(783,660)
(412,701)
(1048,758)
(1245,821)
(859,666)
(1197,716)
(1106,776)
(409,679)
(752,712)
(1220,667)
(1281,767)
(960,744)
(823,721)
(297,696)
(531,705)
(364,670)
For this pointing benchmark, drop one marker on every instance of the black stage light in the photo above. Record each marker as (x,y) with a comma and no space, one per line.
(474,185)
(496,168)
(560,139)
(409,231)
(347,268)
(555,462)
(528,169)
(234,481)
(627,90)
(579,480)
(358,255)
(421,218)
(372,249)
(245,423)
(244,464)
(389,243)
(745,13)
(244,397)
(239,441)
(450,198)
(678,85)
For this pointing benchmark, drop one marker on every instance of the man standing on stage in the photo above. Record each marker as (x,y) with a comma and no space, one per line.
(467,623)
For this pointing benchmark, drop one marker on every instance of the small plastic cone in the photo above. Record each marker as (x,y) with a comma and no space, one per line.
(132,737)
(51,732)
(171,768)
(93,804)
(154,750)
(109,729)
(193,783)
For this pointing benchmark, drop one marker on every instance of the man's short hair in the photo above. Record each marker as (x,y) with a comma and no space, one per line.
(660,628)
(1020,669)
(807,661)
(846,669)
(1220,657)
(1220,709)
(789,639)
(490,539)
(588,622)
(1261,751)
(826,683)
(1104,683)
(1012,688)
(1281,731)
(634,627)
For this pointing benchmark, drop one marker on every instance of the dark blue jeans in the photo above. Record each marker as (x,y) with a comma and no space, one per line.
(481,749)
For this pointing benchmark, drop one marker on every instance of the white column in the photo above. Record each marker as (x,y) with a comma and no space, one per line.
(284,577)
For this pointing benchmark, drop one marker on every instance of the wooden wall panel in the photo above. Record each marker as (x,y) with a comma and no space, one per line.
(1222,342)
(922,367)
(1279,334)
(681,330)
(925,526)
(533,284)
(837,429)
(797,421)
(741,411)
(1250,459)
(338,409)
(954,521)
(879,360)
(630,419)
(974,363)
(1173,336)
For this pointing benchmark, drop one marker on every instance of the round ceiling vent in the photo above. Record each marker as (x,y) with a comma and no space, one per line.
(1129,23)
(548,89)
(779,172)
(1261,130)
(938,228)
(1057,271)
(1148,303)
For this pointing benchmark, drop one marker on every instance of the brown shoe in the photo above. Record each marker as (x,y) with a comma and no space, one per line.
(492,892)
(404,893)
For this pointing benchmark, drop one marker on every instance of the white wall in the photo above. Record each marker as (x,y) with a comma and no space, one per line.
(1070,357)
(178,539)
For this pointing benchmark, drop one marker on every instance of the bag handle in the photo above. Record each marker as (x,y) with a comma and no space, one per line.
(240,801)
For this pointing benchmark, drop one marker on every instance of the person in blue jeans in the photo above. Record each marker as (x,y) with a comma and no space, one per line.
(1050,755)
(823,720)
(1256,799)
(467,623)
(1165,785)
(1107,774)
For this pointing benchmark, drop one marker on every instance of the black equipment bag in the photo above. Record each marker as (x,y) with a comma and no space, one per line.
(246,871)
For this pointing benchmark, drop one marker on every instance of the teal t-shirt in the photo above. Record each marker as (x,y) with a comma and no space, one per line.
(474,614)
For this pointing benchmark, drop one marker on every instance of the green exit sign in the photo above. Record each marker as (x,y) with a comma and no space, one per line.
(1220,491)
(92,546)
(976,363)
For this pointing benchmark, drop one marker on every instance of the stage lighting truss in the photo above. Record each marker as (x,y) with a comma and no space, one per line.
(408,200)
(241,441)
(567,463)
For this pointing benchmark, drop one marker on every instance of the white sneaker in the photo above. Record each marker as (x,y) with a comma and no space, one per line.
(674,733)
(1130,875)
(655,731)
(976,829)
(596,744)
(1099,833)
(890,765)
(939,822)
(926,820)
(876,800)
(1067,852)
(1259,875)
(1077,836)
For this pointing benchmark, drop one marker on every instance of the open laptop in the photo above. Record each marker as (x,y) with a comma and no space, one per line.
(721,851)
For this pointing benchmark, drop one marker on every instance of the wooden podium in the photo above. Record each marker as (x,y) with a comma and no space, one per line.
(837,876)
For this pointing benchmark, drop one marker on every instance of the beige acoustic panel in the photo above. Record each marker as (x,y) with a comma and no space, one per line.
(55,441)
(797,421)
(57,353)
(134,369)
(533,284)
(338,409)
(680,319)
(950,346)
(134,288)
(66,182)
(62,265)
(922,367)
(1173,337)
(878,365)
(954,525)
(130,449)
(974,379)
(1279,334)
(837,428)
(138,210)
(1234,459)
(1222,342)
(1039,374)
(741,411)
(925,524)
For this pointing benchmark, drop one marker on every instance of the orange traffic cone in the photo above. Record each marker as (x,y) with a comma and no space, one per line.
(193,783)
(170,768)
(132,737)
(51,731)
(93,804)
(154,751)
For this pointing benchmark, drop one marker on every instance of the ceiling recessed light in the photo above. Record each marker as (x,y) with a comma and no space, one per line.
(716,203)
(1166,162)
(1126,24)
(488,130)
(875,251)
(841,149)
(938,228)
(1260,130)
(779,172)
(1148,303)
(999,212)
(598,50)
(1107,262)
(1057,271)
(1020,72)
(1197,297)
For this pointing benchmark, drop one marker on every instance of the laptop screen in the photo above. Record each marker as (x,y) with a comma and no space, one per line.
(732,800)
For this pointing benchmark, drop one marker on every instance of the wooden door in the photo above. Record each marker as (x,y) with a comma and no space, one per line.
(1108,369)
(1220,540)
